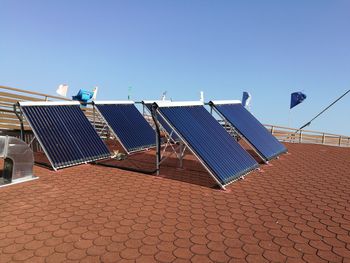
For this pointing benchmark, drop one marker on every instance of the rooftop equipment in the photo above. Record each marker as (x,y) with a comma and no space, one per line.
(18,161)
(84,96)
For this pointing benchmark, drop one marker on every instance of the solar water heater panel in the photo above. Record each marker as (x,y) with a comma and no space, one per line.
(251,129)
(84,134)
(219,152)
(128,125)
(65,134)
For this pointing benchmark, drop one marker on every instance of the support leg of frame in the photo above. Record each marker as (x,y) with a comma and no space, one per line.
(181,155)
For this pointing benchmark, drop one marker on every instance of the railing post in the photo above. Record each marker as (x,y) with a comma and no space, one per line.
(323,138)
(272,129)
(339,140)
(300,137)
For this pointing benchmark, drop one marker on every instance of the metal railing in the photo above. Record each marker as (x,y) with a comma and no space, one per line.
(286,134)
(9,96)
(10,123)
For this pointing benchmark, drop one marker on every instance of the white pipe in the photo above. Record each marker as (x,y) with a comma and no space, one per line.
(105,102)
(48,103)
(179,103)
(218,102)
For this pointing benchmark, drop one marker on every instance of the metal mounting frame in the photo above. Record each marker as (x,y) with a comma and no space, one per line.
(101,119)
(179,150)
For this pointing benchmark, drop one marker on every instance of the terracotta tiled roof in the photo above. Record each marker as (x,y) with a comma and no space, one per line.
(296,209)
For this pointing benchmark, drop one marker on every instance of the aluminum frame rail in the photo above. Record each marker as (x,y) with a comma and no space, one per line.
(64,133)
(224,159)
(127,124)
(249,128)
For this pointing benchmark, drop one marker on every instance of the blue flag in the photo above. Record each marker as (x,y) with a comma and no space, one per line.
(296,98)
(246,99)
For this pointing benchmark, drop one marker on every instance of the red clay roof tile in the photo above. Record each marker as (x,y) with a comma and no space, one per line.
(295,210)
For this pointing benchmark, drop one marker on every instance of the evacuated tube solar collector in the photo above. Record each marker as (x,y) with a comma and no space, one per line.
(219,153)
(64,132)
(249,128)
(127,124)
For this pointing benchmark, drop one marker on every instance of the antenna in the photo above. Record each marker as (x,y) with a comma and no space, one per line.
(334,102)
(129,93)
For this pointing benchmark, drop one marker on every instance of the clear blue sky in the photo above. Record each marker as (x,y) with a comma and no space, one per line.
(269,48)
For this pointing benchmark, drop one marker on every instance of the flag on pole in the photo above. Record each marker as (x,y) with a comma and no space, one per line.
(95,93)
(246,98)
(62,90)
(296,98)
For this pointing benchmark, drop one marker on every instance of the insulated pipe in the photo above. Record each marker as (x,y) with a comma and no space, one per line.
(20,117)
(158,137)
